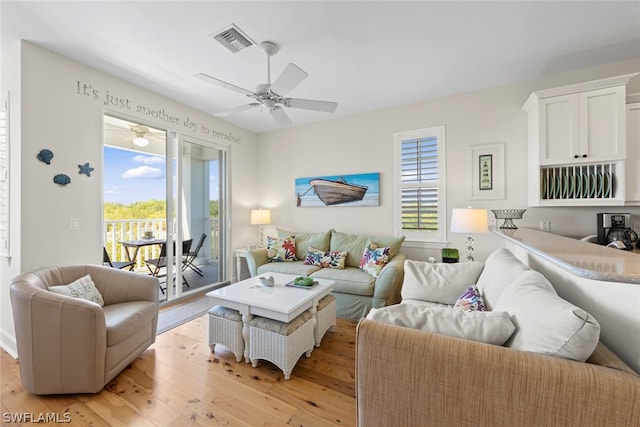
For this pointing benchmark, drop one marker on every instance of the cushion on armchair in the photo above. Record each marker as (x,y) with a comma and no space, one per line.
(81,288)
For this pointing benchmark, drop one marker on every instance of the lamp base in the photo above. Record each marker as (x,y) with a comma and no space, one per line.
(469,243)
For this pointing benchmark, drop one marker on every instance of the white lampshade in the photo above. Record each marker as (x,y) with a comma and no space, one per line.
(469,221)
(260,216)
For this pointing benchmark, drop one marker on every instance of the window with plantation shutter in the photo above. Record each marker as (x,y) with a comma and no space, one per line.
(419,173)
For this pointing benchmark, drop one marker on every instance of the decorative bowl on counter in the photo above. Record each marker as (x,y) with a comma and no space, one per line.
(508,215)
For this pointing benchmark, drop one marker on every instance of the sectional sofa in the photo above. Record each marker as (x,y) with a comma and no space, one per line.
(359,286)
(530,359)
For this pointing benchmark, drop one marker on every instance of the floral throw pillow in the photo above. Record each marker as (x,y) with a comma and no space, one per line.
(374,259)
(470,300)
(279,250)
(324,259)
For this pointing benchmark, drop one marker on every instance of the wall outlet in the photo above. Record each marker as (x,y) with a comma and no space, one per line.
(545,225)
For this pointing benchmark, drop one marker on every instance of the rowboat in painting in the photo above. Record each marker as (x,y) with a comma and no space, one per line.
(336,192)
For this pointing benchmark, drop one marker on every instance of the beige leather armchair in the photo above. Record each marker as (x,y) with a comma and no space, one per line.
(71,345)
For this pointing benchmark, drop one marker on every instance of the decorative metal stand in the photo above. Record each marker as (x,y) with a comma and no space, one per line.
(508,215)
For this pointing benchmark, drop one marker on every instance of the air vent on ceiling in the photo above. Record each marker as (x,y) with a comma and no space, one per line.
(233,38)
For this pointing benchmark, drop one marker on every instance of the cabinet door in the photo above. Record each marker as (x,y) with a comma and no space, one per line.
(602,125)
(633,152)
(559,129)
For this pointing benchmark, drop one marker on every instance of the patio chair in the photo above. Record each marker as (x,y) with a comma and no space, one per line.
(192,255)
(161,262)
(121,265)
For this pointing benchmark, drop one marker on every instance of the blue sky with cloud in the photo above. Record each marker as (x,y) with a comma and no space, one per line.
(131,177)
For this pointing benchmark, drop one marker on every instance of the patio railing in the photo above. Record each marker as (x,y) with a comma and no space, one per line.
(116,231)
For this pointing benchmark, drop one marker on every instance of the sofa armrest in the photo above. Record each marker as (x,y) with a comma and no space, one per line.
(255,258)
(413,378)
(49,352)
(389,282)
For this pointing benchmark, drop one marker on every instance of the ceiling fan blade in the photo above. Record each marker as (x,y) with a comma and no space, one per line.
(237,89)
(280,116)
(291,77)
(310,104)
(237,109)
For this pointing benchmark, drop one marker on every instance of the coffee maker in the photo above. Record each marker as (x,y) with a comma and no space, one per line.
(616,227)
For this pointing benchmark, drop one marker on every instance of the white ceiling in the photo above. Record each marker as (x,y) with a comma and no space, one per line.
(365,55)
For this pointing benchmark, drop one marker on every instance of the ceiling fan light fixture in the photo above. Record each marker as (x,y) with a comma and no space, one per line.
(140,141)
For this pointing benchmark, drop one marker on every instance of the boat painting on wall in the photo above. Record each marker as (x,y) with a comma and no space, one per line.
(339,190)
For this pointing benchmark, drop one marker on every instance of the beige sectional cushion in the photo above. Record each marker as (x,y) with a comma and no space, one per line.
(124,319)
(500,270)
(305,240)
(440,282)
(489,327)
(546,323)
(83,288)
(355,244)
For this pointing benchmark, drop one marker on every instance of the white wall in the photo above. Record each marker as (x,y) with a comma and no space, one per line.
(58,114)
(364,143)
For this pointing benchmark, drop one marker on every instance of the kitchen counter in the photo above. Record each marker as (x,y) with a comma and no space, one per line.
(583,259)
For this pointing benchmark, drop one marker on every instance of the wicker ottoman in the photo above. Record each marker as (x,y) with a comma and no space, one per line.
(225,327)
(281,343)
(326,316)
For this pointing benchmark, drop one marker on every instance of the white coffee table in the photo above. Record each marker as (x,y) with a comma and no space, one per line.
(280,302)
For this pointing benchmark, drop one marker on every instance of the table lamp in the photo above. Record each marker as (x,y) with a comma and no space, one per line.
(469,221)
(260,217)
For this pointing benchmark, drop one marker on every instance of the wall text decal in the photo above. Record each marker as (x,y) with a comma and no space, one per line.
(111,100)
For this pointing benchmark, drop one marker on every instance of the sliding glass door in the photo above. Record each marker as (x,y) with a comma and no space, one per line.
(164,201)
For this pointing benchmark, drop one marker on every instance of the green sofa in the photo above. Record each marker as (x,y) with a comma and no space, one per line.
(356,292)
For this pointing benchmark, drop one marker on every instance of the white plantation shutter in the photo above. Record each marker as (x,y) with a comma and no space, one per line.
(420,167)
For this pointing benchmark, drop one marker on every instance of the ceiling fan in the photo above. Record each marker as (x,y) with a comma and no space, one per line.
(138,134)
(142,135)
(271,96)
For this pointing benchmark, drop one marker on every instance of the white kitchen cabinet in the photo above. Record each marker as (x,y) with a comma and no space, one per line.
(578,146)
(583,127)
(633,153)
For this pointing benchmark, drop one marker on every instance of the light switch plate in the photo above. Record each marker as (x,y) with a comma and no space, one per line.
(74,223)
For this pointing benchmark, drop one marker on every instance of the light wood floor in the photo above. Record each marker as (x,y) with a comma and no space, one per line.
(179,382)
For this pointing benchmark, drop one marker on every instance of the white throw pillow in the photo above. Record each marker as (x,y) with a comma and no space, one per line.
(82,288)
(439,282)
(546,323)
(489,327)
(500,270)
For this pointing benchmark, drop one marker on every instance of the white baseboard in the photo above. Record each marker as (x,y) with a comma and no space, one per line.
(8,344)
